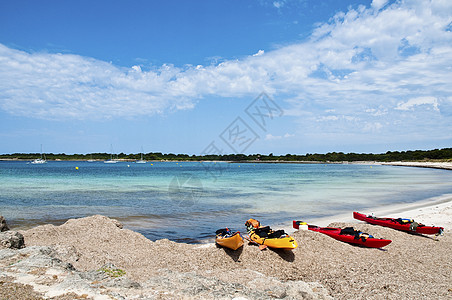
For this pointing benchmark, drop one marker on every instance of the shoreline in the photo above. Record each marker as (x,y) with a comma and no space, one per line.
(445,165)
(419,164)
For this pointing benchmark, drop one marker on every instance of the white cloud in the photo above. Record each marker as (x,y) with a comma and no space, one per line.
(137,68)
(328,118)
(260,52)
(372,127)
(377,112)
(377,4)
(278,4)
(380,58)
(430,102)
(271,137)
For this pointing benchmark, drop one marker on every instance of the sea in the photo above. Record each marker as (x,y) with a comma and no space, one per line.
(189,201)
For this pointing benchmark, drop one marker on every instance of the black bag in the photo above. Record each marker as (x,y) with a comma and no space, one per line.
(223,232)
(263,232)
(348,230)
(276,234)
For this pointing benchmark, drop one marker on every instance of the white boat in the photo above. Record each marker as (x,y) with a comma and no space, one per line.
(141,161)
(40,160)
(111,160)
(91,159)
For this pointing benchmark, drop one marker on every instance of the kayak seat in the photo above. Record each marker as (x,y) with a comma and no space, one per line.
(263,232)
(348,231)
(223,232)
(268,233)
(276,234)
(356,233)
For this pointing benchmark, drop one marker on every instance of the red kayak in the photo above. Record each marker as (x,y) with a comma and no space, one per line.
(348,235)
(399,224)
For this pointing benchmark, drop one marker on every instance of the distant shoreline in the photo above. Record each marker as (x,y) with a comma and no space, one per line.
(417,164)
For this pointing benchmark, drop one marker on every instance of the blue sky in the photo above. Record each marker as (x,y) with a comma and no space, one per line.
(177,76)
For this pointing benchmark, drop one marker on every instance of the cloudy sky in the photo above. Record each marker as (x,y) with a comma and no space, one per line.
(288,76)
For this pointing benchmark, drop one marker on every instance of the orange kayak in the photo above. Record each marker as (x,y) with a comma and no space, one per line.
(225,238)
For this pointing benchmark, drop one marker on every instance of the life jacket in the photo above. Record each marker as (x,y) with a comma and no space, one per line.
(356,233)
(252,224)
(404,221)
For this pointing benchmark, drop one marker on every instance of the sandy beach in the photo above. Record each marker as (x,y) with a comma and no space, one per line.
(435,165)
(70,259)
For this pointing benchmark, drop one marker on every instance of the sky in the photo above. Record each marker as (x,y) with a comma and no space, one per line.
(217,77)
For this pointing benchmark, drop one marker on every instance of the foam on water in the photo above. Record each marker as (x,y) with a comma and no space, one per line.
(187,202)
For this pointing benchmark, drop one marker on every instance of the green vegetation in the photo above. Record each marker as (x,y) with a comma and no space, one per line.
(115,273)
(417,155)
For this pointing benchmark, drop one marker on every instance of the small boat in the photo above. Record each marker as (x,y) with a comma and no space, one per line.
(347,235)
(399,224)
(111,160)
(265,236)
(141,161)
(226,238)
(41,160)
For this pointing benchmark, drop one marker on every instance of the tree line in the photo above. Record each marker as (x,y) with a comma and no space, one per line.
(416,155)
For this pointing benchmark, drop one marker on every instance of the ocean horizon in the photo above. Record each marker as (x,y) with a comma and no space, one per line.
(188,201)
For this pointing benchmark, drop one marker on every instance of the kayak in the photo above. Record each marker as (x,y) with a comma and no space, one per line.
(287,242)
(265,236)
(399,224)
(348,235)
(225,238)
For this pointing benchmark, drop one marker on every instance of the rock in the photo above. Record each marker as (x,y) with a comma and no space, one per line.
(11,239)
(41,257)
(3,225)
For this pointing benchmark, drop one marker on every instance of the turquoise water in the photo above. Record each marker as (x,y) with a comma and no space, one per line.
(188,201)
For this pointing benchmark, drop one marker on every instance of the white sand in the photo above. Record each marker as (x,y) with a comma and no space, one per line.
(421,164)
(434,211)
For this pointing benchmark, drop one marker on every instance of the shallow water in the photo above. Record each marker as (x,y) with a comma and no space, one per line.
(188,201)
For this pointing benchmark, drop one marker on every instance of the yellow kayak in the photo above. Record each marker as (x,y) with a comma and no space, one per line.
(286,242)
(225,238)
(264,235)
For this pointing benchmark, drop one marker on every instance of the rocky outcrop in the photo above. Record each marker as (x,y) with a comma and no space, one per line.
(38,273)
(3,225)
(11,239)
